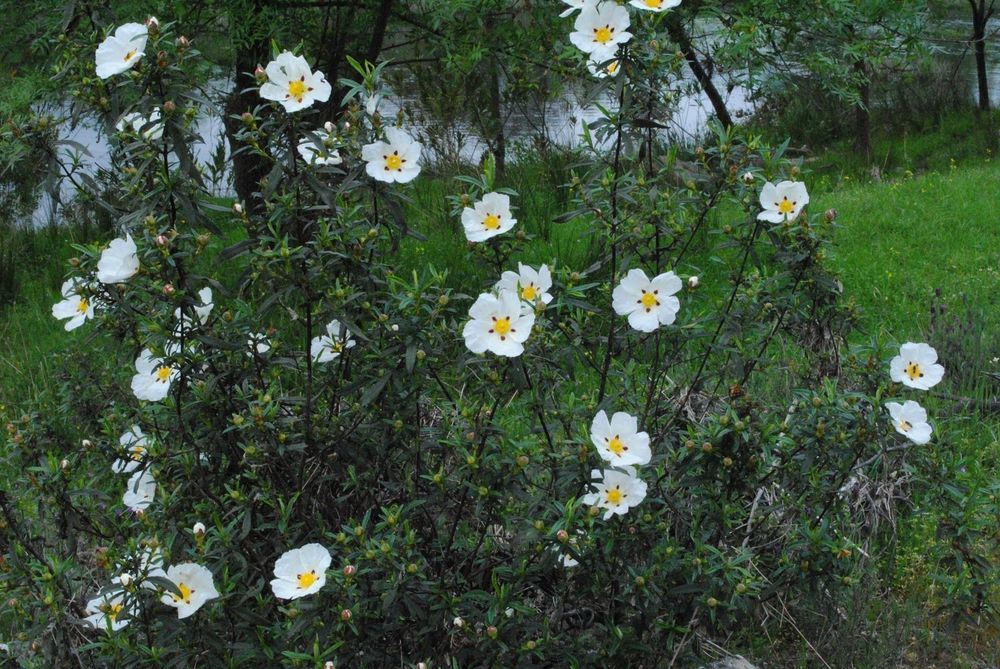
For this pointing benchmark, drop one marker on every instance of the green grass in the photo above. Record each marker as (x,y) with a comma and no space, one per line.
(897,243)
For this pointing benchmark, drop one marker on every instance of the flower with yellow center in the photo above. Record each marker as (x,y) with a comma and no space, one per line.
(648,303)
(916,366)
(108,612)
(74,305)
(498,324)
(782,202)
(532,285)
(152,378)
(300,571)
(395,160)
(488,217)
(619,441)
(655,5)
(317,148)
(615,491)
(910,420)
(600,29)
(577,5)
(604,67)
(133,446)
(195,586)
(122,50)
(329,346)
(292,82)
(140,490)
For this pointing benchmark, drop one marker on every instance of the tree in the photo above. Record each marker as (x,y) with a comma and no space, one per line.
(982,11)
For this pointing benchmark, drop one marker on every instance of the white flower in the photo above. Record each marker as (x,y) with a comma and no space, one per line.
(371,104)
(648,303)
(152,377)
(498,324)
(291,82)
(136,122)
(599,29)
(916,366)
(655,5)
(314,150)
(619,441)
(336,340)
(140,491)
(567,560)
(119,262)
(74,305)
(602,67)
(396,159)
(148,563)
(107,612)
(300,571)
(782,202)
(195,585)
(910,420)
(617,491)
(488,218)
(529,283)
(258,343)
(205,308)
(119,52)
(134,443)
(574,5)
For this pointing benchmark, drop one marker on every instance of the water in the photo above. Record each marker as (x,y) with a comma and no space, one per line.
(564,118)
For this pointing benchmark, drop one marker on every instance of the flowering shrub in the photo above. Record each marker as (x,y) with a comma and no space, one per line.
(331,461)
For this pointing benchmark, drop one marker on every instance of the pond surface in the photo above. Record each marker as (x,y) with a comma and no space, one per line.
(564,118)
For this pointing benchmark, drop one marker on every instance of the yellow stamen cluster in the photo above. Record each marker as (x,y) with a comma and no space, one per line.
(306,579)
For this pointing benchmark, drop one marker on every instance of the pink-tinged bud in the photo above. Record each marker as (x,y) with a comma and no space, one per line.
(152,25)
(183,42)
(491,632)
(162,240)
(169,107)
(168,289)
(87,444)
(64,464)
(562,536)
(329,127)
(161,59)
(748,178)
(260,74)
(347,125)
(831,215)
(238,209)
(345,615)
(350,570)
(693,282)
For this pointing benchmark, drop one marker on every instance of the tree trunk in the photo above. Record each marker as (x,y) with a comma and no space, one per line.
(980,17)
(248,168)
(678,34)
(862,113)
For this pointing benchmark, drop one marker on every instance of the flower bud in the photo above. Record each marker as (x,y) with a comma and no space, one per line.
(198,529)
(458,622)
(693,282)
(152,25)
(347,125)
(748,178)
(350,570)
(260,75)
(421,665)
(492,631)
(329,127)
(169,107)
(183,42)
(162,241)
(562,536)
(125,579)
(168,289)
(329,665)
(237,208)
(712,602)
(64,464)
(345,615)
(161,59)
(831,215)
(87,444)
